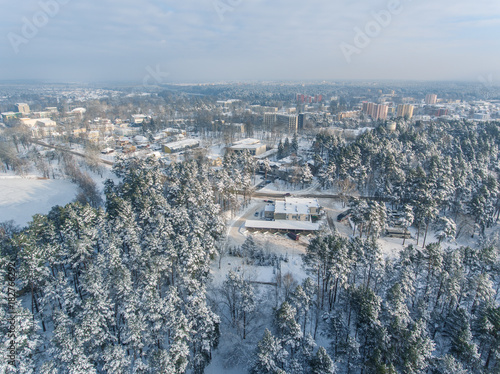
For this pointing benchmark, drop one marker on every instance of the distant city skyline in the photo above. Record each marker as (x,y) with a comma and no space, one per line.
(159,42)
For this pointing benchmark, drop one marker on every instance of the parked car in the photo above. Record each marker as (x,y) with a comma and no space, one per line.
(288,194)
(344,215)
(256,214)
(293,236)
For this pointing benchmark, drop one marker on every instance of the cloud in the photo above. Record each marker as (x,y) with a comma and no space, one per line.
(257,39)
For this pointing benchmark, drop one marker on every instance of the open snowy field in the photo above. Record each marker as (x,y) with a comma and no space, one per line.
(21,198)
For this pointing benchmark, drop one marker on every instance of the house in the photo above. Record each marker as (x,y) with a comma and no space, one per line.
(123,141)
(171,132)
(93,136)
(214,160)
(79,132)
(107,151)
(40,127)
(137,119)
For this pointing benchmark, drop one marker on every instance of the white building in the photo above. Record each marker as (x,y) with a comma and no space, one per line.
(253,146)
(294,209)
(138,118)
(180,146)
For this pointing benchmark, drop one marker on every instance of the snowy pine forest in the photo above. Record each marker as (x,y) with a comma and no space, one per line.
(127,285)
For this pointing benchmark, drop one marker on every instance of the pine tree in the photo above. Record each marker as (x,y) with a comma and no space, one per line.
(322,363)
(281,151)
(270,356)
(287,327)
(307,175)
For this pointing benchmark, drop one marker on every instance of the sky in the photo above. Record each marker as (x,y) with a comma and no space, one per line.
(159,42)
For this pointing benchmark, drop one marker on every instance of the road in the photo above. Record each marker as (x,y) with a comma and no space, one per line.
(63,149)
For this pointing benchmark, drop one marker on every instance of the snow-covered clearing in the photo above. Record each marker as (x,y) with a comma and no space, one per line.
(21,198)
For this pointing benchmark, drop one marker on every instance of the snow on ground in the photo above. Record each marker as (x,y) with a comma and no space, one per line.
(292,250)
(21,198)
(217,366)
(281,186)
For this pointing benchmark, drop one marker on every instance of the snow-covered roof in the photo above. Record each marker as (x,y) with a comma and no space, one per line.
(282,225)
(270,208)
(310,203)
(140,139)
(283,207)
(248,141)
(183,144)
(267,154)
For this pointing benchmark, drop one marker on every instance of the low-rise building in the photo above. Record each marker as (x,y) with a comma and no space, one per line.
(137,119)
(40,127)
(93,136)
(293,209)
(180,146)
(253,146)
(282,226)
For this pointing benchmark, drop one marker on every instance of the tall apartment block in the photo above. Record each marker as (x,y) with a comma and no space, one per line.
(23,108)
(431,99)
(405,110)
(376,111)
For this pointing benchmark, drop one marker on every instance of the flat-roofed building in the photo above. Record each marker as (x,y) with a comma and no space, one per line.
(376,111)
(137,119)
(23,108)
(11,115)
(180,146)
(296,209)
(269,120)
(295,226)
(289,121)
(431,99)
(253,146)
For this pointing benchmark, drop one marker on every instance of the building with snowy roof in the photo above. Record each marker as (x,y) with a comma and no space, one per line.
(294,226)
(180,146)
(293,209)
(253,146)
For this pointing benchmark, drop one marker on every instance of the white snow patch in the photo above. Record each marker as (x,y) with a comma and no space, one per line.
(21,198)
